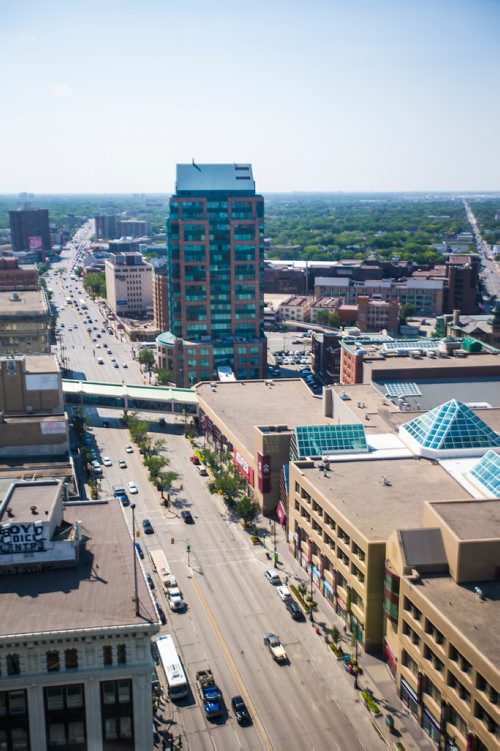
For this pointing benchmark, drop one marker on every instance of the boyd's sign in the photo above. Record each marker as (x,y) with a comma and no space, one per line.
(21,538)
(243,466)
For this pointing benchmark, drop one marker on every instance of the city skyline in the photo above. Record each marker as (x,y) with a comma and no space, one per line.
(374,97)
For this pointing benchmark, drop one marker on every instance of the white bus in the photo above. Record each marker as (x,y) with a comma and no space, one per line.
(172,666)
(147,345)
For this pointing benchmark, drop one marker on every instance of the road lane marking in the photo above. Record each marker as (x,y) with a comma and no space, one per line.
(232,664)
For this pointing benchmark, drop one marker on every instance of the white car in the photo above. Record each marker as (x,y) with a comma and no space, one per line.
(174,598)
(129,450)
(132,487)
(107,461)
(272,575)
(123,464)
(283,592)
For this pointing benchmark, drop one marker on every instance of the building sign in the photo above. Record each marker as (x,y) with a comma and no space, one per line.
(121,302)
(57,426)
(242,464)
(264,472)
(280,511)
(35,243)
(21,538)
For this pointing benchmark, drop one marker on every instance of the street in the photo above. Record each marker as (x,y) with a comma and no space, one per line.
(308,703)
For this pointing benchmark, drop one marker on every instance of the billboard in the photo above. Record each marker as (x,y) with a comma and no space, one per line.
(264,472)
(242,464)
(35,242)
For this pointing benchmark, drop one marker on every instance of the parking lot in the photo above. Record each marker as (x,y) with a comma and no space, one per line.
(293,360)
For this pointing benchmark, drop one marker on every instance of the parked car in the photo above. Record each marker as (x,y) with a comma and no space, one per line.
(272,575)
(202,470)
(294,610)
(240,710)
(140,551)
(194,459)
(150,581)
(283,592)
(147,527)
(161,613)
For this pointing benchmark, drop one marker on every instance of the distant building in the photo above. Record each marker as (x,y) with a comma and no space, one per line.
(215,259)
(16,277)
(133,228)
(29,230)
(160,298)
(129,284)
(462,291)
(33,422)
(296,309)
(105,227)
(426,295)
(124,245)
(24,322)
(75,657)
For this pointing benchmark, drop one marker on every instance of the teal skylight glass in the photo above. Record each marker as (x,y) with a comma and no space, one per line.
(487,471)
(320,440)
(401,388)
(451,426)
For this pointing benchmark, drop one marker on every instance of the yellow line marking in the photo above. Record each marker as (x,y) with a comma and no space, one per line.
(234,668)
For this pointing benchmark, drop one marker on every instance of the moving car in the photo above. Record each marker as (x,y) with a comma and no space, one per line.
(147,527)
(132,487)
(276,648)
(283,592)
(107,461)
(272,575)
(140,551)
(174,598)
(240,710)
(187,516)
(122,464)
(129,449)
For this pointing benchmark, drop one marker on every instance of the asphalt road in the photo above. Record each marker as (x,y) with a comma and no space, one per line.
(230,605)
(491,269)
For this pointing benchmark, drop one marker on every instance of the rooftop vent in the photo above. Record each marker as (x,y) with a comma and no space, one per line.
(15,297)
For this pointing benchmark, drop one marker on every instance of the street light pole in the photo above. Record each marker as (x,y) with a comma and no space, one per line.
(136,596)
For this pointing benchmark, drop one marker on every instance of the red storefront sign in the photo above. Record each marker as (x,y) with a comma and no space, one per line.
(244,467)
(264,472)
(280,510)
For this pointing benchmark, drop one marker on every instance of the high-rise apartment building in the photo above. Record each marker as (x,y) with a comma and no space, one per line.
(29,230)
(129,284)
(105,227)
(215,258)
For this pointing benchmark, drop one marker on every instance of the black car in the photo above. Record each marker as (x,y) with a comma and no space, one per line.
(187,516)
(140,551)
(147,527)
(150,581)
(294,610)
(161,613)
(240,710)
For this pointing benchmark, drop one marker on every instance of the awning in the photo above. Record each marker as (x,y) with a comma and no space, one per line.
(280,510)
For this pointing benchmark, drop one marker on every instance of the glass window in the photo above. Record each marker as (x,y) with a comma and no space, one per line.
(71,659)
(13,664)
(53,661)
(76,732)
(74,695)
(110,733)
(124,692)
(108,692)
(57,735)
(55,697)
(121,653)
(107,654)
(125,727)
(17,702)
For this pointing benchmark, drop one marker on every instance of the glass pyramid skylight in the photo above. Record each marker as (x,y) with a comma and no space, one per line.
(450,427)
(487,472)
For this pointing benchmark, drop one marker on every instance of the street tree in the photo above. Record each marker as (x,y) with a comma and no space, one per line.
(165,377)
(248,510)
(164,480)
(146,358)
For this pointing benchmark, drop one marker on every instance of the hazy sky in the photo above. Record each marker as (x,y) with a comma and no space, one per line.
(104,96)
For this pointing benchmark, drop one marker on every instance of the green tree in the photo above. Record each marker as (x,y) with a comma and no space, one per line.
(229,483)
(164,480)
(79,422)
(407,310)
(95,284)
(165,377)
(247,510)
(155,465)
(146,358)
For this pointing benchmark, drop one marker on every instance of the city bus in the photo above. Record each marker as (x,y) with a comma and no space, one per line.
(147,345)
(172,667)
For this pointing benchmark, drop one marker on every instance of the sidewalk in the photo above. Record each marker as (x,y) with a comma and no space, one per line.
(376,675)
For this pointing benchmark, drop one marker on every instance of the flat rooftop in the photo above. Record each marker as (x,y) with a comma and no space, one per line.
(434,391)
(97,594)
(473,619)
(29,302)
(471,520)
(242,405)
(24,497)
(41,364)
(357,489)
(429,364)
(203,178)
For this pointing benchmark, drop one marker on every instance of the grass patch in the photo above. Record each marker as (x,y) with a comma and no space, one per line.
(299,597)
(370,702)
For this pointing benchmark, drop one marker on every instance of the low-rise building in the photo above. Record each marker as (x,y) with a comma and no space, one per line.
(296,309)
(75,658)
(24,322)
(426,295)
(129,284)
(16,277)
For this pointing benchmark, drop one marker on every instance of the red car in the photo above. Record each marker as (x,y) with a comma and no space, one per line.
(195,459)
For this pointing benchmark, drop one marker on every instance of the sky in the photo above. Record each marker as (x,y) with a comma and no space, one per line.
(102,96)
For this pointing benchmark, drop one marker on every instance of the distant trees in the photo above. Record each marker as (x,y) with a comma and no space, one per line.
(95,284)
(327,317)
